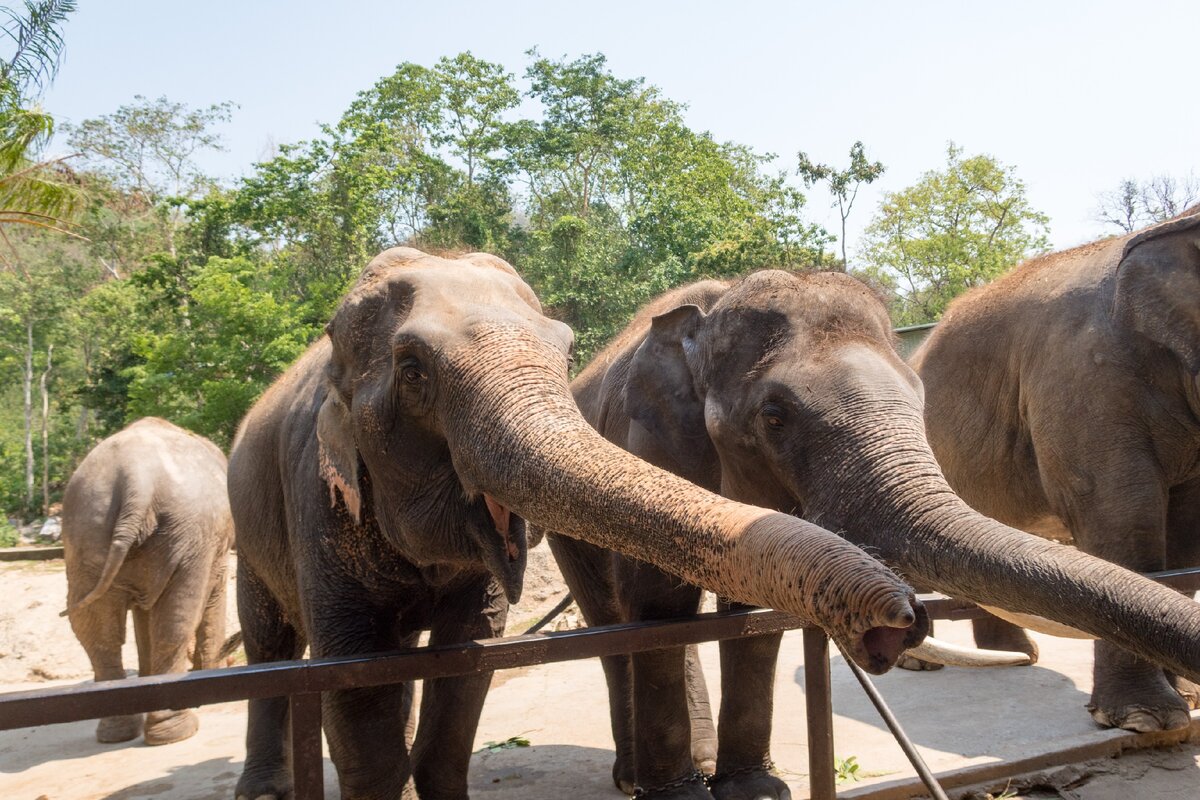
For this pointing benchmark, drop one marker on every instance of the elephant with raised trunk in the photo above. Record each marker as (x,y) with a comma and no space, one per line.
(1064,399)
(382,485)
(146,526)
(785,391)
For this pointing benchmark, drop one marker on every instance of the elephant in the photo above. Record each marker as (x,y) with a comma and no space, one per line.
(785,390)
(382,486)
(146,525)
(1064,399)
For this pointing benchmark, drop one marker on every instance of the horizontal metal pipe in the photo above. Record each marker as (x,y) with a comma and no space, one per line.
(182,690)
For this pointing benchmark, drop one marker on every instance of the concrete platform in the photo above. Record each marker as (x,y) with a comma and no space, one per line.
(1000,721)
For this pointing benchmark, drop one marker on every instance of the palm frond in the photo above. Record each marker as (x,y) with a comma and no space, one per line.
(38,43)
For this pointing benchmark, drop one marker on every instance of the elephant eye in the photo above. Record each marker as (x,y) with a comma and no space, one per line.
(773,416)
(411,372)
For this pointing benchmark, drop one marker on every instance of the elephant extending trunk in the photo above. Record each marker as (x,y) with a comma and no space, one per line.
(550,466)
(894,499)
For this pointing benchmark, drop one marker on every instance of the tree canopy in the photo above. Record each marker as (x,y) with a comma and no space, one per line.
(188,297)
(957,227)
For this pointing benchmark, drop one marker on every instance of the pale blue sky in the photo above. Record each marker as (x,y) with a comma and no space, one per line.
(1076,95)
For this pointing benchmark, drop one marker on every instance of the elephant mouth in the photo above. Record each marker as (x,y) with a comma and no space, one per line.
(503,544)
(879,648)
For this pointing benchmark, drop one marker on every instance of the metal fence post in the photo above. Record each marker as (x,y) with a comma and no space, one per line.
(308,764)
(819,705)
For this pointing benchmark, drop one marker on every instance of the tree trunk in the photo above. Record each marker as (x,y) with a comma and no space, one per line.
(27,386)
(46,432)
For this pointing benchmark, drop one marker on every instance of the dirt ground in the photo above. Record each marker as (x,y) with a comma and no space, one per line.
(37,645)
(561,710)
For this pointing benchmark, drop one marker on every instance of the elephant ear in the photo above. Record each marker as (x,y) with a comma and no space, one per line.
(337,455)
(662,396)
(1158,286)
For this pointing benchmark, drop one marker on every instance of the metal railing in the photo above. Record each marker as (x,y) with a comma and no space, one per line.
(303,681)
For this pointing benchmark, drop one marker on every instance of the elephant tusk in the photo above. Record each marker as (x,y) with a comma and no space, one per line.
(502,519)
(953,655)
(1039,624)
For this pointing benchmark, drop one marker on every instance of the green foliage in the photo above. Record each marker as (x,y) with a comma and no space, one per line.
(9,536)
(846,770)
(32,192)
(188,298)
(37,43)
(510,743)
(205,372)
(955,228)
(843,184)
(625,201)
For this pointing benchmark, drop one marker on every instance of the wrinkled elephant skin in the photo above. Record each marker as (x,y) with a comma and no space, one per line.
(785,390)
(1062,399)
(381,487)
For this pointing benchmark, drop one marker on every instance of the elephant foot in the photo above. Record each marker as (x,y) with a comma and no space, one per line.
(755,784)
(254,787)
(623,775)
(111,730)
(1189,691)
(996,634)
(1142,709)
(914,664)
(165,727)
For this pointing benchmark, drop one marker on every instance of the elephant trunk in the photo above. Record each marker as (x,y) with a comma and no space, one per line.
(544,461)
(886,492)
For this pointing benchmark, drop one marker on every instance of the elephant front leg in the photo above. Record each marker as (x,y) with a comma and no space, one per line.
(993,633)
(1183,551)
(744,728)
(366,733)
(268,637)
(588,571)
(1134,694)
(450,707)
(1126,524)
(100,628)
(662,717)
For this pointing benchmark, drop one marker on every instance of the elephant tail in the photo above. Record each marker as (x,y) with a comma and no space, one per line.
(231,644)
(128,533)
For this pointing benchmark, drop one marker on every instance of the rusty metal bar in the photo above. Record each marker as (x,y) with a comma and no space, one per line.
(182,690)
(308,765)
(822,780)
(906,744)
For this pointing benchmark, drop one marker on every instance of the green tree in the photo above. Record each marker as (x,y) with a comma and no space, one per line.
(37,291)
(32,192)
(624,200)
(206,375)
(955,228)
(147,150)
(842,184)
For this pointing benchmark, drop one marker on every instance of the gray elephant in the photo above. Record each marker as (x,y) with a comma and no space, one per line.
(376,489)
(146,526)
(786,391)
(1064,399)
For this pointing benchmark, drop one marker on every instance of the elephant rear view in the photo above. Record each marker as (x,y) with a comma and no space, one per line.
(146,526)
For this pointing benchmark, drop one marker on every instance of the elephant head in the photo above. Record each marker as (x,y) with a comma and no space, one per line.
(789,386)
(447,414)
